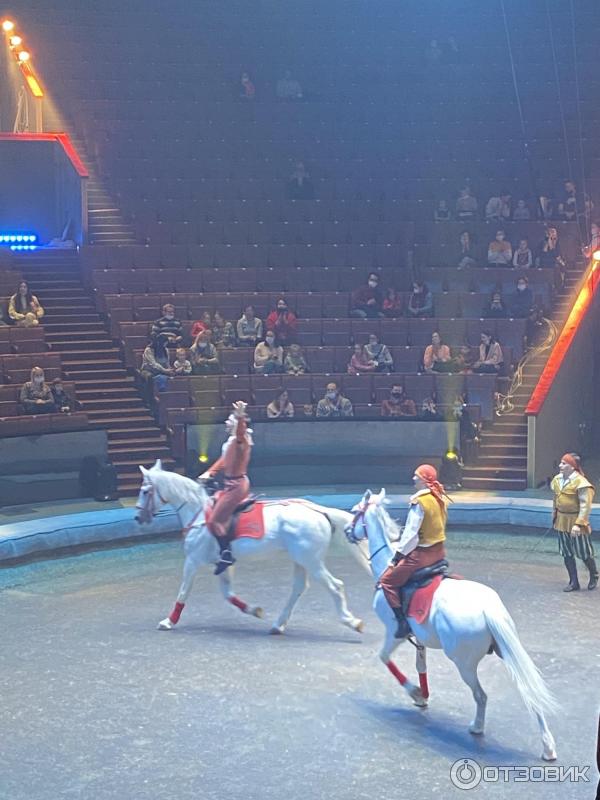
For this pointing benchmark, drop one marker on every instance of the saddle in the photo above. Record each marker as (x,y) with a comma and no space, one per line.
(419,579)
(246,520)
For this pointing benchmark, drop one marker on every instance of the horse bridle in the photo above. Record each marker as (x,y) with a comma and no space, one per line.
(351,527)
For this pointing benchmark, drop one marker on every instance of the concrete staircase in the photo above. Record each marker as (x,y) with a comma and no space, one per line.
(93,362)
(501,463)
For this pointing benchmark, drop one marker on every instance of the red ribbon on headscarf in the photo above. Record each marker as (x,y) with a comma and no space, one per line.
(428,475)
(569,459)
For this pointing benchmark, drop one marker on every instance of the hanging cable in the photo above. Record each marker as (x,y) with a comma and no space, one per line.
(586,221)
(559,93)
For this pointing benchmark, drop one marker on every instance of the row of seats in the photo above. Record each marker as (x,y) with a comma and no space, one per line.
(10,405)
(17,368)
(35,424)
(22,340)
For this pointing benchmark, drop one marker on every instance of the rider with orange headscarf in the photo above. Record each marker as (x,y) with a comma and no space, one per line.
(422,540)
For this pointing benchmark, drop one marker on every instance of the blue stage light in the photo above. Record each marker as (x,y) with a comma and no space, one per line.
(16,237)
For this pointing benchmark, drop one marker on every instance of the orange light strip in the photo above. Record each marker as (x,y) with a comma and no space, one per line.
(17,50)
(565,340)
(62,138)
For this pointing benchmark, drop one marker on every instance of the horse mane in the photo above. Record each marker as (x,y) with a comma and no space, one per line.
(177,487)
(391,527)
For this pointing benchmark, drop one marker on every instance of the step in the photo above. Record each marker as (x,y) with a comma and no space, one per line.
(86,375)
(68,319)
(495,462)
(116,404)
(494,484)
(100,392)
(101,354)
(119,435)
(75,327)
(92,344)
(78,336)
(123,382)
(142,444)
(507,448)
(97,365)
(125,419)
(140,455)
(477,471)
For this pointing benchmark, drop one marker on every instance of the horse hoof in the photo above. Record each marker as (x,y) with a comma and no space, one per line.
(417,698)
(475,730)
(257,612)
(551,755)
(277,630)
(165,625)
(359,626)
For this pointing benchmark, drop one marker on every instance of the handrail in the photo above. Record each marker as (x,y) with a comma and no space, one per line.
(62,138)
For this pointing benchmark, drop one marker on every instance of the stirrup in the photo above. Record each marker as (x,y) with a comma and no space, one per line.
(225,561)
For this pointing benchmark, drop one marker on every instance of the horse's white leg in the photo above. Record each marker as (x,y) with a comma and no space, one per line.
(468,672)
(229,595)
(422,670)
(549,752)
(385,654)
(190,568)
(299,586)
(335,587)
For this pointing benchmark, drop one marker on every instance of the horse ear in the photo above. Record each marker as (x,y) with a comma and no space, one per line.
(382,494)
(143,470)
(367,495)
(158,464)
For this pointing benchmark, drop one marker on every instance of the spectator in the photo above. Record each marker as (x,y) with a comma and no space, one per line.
(201,325)
(380,354)
(300,185)
(521,301)
(523,257)
(464,360)
(437,355)
(223,334)
(466,254)
(442,213)
(491,359)
(24,308)
(398,404)
(247,88)
(521,212)
(204,355)
(467,429)
(548,255)
(268,356)
(182,365)
(36,396)
(367,301)
(498,208)
(534,327)
(156,364)
(420,303)
(288,88)
(569,202)
(495,308)
(249,328)
(283,322)
(361,361)
(429,410)
(466,204)
(500,251)
(169,323)
(334,405)
(281,407)
(62,401)
(295,363)
(392,305)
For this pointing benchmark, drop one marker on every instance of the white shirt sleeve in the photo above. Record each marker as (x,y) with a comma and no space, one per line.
(410,535)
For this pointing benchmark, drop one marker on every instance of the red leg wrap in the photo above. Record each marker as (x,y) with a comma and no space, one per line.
(400,676)
(235,601)
(423,684)
(176,613)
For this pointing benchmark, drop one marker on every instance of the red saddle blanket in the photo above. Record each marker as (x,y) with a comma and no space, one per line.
(420,603)
(249,523)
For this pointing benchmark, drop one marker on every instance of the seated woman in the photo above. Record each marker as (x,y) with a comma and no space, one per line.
(380,354)
(436,357)
(295,363)
(24,308)
(281,407)
(467,256)
(36,396)
(268,357)
(420,303)
(223,332)
(156,364)
(392,305)
(491,359)
(360,361)
(495,308)
(500,253)
(204,356)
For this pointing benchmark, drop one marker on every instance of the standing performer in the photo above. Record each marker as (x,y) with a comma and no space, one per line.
(233,462)
(422,540)
(573,495)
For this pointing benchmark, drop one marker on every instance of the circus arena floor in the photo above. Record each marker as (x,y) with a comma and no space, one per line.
(99,705)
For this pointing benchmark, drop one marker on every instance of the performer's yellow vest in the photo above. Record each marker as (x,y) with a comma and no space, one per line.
(433,527)
(566,502)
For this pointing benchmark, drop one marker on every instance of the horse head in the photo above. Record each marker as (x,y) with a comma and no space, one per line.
(355,532)
(149,499)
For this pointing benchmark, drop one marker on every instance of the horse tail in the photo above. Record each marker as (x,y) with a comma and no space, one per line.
(532,687)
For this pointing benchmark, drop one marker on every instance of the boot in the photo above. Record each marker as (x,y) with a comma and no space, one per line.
(591,565)
(226,559)
(403,630)
(573,585)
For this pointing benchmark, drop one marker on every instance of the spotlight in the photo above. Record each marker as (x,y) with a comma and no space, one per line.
(451,470)
(24,56)
(15,41)
(596,255)
(203,459)
(8,26)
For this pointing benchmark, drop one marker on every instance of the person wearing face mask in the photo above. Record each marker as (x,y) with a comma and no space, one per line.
(379,354)
(573,495)
(36,396)
(169,324)
(398,404)
(334,405)
(62,401)
(498,208)
(420,303)
(500,251)
(204,356)
(283,323)
(523,257)
(268,355)
(367,301)
(522,301)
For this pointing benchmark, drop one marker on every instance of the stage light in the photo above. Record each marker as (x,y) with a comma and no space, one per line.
(203,459)
(15,41)
(451,455)
(8,26)
(24,56)
(15,238)
(596,255)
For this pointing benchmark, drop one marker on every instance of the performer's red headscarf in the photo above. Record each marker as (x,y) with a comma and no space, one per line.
(572,461)
(428,474)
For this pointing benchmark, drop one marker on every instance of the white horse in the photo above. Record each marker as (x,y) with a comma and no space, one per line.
(467,620)
(302,529)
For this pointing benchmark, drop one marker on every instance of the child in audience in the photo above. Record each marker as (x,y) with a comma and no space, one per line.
(182,365)
(62,401)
